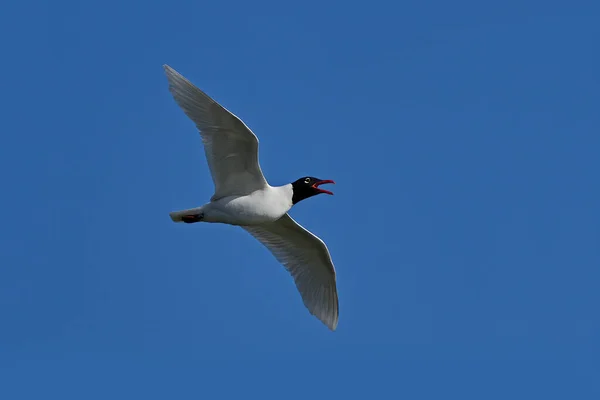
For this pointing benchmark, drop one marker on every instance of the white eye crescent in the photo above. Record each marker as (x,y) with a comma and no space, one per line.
(307,180)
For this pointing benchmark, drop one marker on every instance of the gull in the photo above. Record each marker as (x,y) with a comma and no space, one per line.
(244,198)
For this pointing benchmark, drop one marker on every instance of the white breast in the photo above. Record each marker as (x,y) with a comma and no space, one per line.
(259,207)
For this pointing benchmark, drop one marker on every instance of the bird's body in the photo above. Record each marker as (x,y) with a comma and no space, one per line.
(259,207)
(243,197)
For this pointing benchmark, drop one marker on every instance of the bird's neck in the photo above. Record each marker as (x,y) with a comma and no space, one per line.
(285,191)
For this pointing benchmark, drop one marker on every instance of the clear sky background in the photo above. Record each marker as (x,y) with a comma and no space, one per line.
(464,138)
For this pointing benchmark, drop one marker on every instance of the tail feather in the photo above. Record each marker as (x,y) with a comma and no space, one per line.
(177,216)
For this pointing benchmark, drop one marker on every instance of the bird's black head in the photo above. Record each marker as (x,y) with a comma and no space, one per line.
(307,187)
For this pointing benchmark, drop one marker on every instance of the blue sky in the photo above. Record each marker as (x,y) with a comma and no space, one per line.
(465,226)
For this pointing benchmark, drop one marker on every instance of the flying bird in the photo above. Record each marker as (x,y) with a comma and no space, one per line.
(244,198)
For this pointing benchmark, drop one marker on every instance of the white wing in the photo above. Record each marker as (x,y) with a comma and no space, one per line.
(230,146)
(307,259)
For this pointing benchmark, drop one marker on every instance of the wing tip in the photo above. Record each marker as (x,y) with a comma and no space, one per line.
(171,73)
(329,315)
(333,325)
(330,322)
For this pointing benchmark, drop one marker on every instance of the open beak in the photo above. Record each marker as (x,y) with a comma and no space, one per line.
(317,184)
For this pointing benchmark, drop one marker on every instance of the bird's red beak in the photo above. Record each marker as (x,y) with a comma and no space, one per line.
(317,184)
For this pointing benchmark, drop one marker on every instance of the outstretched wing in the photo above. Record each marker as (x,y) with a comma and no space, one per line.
(307,259)
(230,146)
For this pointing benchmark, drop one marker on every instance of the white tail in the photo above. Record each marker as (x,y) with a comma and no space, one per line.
(177,216)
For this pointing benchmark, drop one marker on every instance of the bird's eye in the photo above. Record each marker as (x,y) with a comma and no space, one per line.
(307,180)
